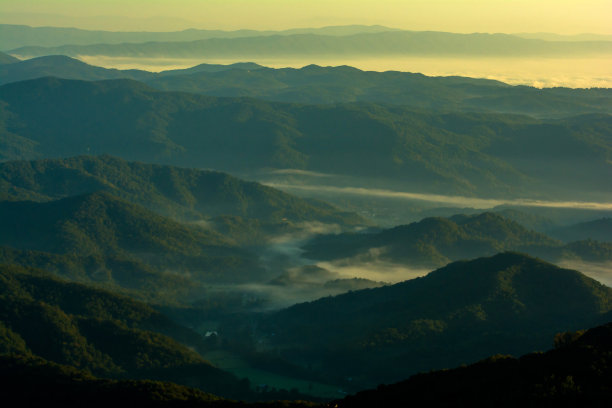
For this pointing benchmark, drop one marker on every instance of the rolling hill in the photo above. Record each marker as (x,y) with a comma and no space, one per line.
(100,226)
(449,153)
(434,242)
(182,193)
(102,333)
(509,304)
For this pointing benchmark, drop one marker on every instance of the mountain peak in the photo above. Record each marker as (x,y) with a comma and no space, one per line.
(509,303)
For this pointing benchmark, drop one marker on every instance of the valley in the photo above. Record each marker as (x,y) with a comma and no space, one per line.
(310,217)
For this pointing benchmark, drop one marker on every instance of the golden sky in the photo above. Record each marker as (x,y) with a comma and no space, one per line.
(559,16)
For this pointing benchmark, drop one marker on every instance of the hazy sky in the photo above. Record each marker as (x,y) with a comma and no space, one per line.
(560,16)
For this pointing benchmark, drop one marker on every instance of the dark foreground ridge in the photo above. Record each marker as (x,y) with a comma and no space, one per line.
(38,383)
(576,373)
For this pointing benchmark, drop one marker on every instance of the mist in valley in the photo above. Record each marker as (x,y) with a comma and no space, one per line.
(601,272)
(393,207)
(275,275)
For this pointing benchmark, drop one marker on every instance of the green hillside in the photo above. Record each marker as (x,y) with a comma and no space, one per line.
(116,273)
(456,153)
(509,304)
(101,225)
(105,334)
(187,194)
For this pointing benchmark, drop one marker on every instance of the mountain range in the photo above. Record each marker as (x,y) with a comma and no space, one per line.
(377,44)
(14,36)
(135,270)
(437,241)
(99,220)
(324,85)
(178,192)
(483,153)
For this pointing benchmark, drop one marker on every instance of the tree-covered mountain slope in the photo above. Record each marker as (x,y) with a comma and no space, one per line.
(118,274)
(434,242)
(34,381)
(449,153)
(187,194)
(106,334)
(576,373)
(509,303)
(101,225)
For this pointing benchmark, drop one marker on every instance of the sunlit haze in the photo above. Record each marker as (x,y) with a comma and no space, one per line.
(559,16)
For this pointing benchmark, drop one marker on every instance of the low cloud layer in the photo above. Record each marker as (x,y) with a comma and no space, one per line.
(459,201)
(601,272)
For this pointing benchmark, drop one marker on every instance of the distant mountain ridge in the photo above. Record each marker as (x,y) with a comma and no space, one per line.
(13,36)
(415,43)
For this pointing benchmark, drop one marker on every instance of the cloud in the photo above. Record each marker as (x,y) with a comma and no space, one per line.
(374,269)
(298,172)
(601,272)
(459,201)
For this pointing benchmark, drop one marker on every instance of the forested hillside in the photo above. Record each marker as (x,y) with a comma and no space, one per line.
(484,154)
